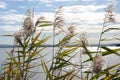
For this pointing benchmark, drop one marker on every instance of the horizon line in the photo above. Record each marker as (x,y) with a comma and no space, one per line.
(68,45)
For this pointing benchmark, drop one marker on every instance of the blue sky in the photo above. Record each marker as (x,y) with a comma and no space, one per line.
(87,15)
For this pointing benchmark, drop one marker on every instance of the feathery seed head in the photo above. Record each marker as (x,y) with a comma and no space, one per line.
(59,11)
(71,30)
(109,16)
(17,36)
(59,21)
(28,24)
(97,64)
(83,39)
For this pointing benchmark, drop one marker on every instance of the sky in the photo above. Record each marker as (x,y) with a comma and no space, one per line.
(85,15)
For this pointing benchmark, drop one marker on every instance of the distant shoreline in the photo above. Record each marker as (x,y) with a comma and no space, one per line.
(49,45)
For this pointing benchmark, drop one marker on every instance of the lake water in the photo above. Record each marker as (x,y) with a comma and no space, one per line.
(108,60)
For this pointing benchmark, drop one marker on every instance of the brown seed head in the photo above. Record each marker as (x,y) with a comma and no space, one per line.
(28,25)
(97,64)
(17,36)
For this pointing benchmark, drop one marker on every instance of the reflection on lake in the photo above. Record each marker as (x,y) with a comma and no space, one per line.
(108,61)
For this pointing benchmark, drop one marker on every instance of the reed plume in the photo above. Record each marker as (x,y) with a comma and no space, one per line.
(83,39)
(17,36)
(71,30)
(109,16)
(28,24)
(28,27)
(97,64)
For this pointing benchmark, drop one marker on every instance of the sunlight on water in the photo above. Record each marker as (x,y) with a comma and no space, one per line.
(108,60)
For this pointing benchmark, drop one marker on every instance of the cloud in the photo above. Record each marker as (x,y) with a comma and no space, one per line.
(48,5)
(3,5)
(51,1)
(10,28)
(43,1)
(65,0)
(11,17)
(13,11)
(88,28)
(83,8)
(47,15)
(84,21)
(84,14)
(22,7)
(90,22)
(86,0)
(85,18)
(9,22)
(16,0)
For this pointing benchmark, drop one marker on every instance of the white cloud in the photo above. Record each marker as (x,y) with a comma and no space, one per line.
(10,28)
(117,17)
(22,7)
(9,22)
(47,15)
(93,18)
(14,11)
(46,1)
(8,18)
(51,1)
(97,28)
(88,28)
(83,8)
(90,22)
(84,21)
(48,5)
(3,5)
(43,1)
(86,0)
(16,0)
(87,22)
(65,0)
